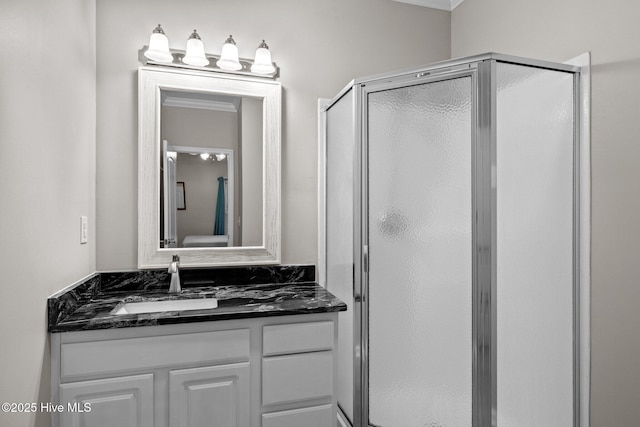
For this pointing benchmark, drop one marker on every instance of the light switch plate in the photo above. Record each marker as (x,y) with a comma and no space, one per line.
(84,229)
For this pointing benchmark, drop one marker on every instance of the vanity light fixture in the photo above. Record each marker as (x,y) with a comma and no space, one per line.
(159,46)
(229,56)
(195,51)
(262,63)
(221,157)
(204,156)
(194,57)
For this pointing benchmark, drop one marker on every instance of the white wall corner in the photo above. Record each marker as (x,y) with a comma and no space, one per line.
(447,5)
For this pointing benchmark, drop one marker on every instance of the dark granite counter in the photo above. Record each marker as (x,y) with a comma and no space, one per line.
(241,292)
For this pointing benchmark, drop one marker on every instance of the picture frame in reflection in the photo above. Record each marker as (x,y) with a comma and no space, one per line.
(181,204)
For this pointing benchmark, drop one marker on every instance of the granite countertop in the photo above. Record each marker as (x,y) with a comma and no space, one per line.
(287,291)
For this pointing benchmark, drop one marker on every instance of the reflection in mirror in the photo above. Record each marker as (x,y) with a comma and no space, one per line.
(212,145)
(186,117)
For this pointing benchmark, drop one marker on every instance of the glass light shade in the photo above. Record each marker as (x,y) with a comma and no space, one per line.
(221,157)
(204,156)
(195,51)
(229,56)
(262,63)
(158,46)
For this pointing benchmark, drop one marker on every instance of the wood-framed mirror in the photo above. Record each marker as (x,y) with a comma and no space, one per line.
(219,137)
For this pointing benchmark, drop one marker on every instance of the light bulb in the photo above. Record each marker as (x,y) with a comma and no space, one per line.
(195,51)
(262,63)
(159,46)
(229,56)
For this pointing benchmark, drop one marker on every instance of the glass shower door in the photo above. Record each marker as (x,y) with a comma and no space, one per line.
(420,247)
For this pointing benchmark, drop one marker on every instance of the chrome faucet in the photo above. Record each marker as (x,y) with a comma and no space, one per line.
(174,269)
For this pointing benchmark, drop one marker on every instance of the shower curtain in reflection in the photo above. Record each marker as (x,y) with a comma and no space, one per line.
(218,228)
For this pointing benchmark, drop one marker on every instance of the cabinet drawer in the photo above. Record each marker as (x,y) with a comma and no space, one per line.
(101,357)
(315,416)
(298,377)
(297,338)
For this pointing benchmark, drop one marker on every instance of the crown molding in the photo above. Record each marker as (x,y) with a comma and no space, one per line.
(447,5)
(201,104)
(200,101)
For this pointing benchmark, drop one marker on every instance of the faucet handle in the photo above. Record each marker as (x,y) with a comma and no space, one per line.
(175,287)
(173,267)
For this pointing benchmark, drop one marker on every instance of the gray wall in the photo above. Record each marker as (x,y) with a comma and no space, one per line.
(320,47)
(548,29)
(47,177)
(252,218)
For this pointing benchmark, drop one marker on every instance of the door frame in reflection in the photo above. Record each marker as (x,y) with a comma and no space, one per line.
(170,182)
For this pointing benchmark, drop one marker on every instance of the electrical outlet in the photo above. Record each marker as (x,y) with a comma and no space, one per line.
(84,229)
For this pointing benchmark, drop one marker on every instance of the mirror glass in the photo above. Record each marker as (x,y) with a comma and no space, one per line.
(211,170)
(208,168)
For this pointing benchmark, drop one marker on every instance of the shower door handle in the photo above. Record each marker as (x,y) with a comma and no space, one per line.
(358,291)
(365,258)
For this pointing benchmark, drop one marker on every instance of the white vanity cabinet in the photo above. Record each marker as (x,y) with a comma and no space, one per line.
(297,375)
(261,372)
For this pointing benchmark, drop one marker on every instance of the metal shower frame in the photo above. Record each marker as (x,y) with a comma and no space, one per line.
(482,70)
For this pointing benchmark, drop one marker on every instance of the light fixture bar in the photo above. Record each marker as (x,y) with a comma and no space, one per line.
(211,67)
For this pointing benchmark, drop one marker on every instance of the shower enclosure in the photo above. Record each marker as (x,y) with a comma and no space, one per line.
(456,228)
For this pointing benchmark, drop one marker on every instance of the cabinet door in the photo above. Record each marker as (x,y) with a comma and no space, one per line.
(216,396)
(110,402)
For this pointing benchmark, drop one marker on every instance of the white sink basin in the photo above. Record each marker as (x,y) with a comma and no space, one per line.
(159,306)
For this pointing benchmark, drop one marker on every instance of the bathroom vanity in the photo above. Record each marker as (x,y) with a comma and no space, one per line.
(265,356)
(250,346)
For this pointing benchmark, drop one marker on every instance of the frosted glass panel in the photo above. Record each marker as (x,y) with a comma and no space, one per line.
(420,360)
(339,245)
(534,247)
